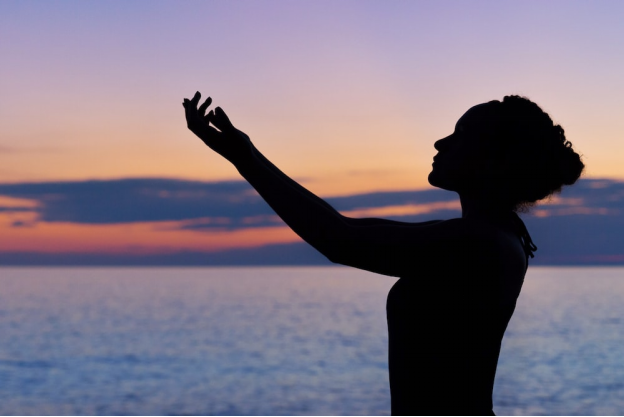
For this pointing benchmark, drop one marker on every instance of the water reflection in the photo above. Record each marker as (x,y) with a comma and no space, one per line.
(279,341)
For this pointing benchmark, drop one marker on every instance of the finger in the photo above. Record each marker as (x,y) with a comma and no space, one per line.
(221,120)
(209,117)
(196,98)
(190,112)
(202,109)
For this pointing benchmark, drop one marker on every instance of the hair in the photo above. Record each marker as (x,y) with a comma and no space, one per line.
(533,158)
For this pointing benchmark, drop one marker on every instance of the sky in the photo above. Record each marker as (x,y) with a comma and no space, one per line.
(346,97)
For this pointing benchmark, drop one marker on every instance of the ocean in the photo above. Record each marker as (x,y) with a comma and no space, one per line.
(279,341)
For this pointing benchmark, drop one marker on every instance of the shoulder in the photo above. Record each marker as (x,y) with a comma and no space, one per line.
(475,235)
(496,252)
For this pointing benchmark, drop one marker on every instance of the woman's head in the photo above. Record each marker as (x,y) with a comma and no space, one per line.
(510,153)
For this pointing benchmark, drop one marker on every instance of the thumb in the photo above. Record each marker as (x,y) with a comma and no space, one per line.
(221,120)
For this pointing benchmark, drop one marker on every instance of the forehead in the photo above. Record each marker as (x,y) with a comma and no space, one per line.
(480,115)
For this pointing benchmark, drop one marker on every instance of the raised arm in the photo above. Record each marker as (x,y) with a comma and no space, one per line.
(376,245)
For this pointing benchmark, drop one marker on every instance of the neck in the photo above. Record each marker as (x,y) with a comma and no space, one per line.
(480,208)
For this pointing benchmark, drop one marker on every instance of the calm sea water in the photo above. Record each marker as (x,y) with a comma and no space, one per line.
(277,341)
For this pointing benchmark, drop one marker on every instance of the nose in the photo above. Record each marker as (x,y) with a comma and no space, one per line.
(440,144)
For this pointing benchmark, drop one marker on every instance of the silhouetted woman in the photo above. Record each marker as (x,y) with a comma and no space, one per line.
(459,278)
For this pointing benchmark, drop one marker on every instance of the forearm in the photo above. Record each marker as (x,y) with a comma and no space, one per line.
(309,216)
(298,188)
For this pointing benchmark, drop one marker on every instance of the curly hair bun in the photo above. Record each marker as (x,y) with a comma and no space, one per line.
(569,162)
(539,159)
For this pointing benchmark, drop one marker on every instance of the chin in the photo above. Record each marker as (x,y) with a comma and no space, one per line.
(441,181)
(432,179)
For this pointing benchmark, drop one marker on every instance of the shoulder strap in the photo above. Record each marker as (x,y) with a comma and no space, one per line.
(525,237)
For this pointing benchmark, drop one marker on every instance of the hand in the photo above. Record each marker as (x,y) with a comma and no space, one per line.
(228,141)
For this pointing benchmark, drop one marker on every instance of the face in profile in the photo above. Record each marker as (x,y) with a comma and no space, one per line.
(459,154)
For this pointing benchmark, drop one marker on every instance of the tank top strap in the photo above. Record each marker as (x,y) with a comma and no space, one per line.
(527,243)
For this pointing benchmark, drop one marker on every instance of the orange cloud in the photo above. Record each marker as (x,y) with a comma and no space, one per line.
(136,238)
(13,202)
(404,210)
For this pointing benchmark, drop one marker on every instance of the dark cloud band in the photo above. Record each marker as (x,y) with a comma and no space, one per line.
(582,225)
(231,205)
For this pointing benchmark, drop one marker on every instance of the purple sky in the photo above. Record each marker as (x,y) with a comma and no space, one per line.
(346,96)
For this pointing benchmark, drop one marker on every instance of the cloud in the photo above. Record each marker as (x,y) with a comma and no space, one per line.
(298,253)
(582,225)
(577,238)
(199,205)
(229,223)
(16,209)
(22,223)
(138,200)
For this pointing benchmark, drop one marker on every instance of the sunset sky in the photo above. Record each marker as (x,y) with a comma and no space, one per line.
(345,96)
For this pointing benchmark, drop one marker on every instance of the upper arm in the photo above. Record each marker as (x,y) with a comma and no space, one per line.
(394,248)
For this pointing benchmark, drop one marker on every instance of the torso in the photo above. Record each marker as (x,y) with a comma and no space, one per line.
(447,321)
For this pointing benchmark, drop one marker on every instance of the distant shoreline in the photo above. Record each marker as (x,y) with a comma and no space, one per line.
(257,266)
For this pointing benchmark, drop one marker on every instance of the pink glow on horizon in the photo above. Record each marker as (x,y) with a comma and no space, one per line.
(133,238)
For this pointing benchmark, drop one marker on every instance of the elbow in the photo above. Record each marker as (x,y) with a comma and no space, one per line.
(335,252)
(333,242)
(330,253)
(334,259)
(329,249)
